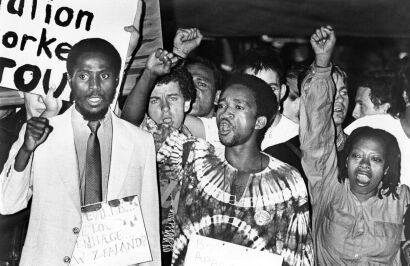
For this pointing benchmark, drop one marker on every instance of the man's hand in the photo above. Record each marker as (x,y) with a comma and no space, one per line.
(36,133)
(186,40)
(135,36)
(323,42)
(53,105)
(133,29)
(160,62)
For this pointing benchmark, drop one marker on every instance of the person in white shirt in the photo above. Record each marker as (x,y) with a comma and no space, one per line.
(377,94)
(398,126)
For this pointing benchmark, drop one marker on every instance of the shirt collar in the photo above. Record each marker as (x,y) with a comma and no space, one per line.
(78,118)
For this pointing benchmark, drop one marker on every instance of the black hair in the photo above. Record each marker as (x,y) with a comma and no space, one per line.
(194,60)
(180,75)
(266,103)
(338,71)
(258,59)
(296,72)
(404,78)
(93,45)
(391,179)
(384,88)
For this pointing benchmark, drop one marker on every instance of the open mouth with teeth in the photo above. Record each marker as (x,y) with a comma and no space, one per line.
(338,109)
(363,178)
(94,100)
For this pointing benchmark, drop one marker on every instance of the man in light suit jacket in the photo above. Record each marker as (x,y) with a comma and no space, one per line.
(48,163)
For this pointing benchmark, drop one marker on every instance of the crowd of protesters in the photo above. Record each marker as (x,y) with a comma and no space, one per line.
(259,156)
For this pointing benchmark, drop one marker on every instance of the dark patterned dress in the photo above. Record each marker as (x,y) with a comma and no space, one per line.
(271,216)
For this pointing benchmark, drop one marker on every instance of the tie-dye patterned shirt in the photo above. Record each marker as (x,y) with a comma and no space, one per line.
(168,178)
(272,215)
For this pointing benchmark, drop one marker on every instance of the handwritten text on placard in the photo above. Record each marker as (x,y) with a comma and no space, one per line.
(112,235)
(205,251)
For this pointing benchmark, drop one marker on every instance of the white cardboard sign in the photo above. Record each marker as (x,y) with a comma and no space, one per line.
(205,251)
(112,235)
(36,36)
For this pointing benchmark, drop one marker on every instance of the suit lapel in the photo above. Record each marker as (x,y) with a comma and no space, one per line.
(68,167)
(120,158)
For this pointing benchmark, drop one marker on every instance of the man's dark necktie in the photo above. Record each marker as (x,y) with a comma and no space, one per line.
(93,172)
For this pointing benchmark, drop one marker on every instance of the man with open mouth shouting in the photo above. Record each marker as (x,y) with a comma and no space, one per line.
(84,156)
(245,196)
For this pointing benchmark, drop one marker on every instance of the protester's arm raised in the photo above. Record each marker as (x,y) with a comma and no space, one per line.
(316,130)
(185,41)
(323,42)
(159,63)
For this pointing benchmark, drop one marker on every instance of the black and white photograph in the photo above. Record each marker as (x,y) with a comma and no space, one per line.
(204,133)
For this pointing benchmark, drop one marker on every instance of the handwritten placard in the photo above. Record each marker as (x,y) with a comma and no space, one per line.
(112,235)
(36,36)
(205,251)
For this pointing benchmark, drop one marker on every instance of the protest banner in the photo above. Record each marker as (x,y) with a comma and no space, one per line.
(150,25)
(36,36)
(205,251)
(112,234)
